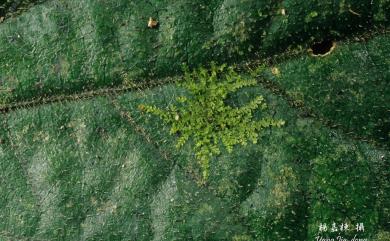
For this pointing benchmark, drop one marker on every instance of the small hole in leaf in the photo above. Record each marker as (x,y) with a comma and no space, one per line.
(322,48)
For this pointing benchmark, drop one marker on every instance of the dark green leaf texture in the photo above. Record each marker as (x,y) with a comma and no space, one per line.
(80,161)
(62,47)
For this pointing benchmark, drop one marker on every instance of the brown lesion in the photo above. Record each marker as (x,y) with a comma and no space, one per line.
(322,48)
(152,23)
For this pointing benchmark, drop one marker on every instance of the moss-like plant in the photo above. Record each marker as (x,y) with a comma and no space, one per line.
(205,117)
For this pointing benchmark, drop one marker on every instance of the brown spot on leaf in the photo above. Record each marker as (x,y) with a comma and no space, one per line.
(152,23)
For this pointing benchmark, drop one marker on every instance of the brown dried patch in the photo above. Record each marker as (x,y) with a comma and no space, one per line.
(152,23)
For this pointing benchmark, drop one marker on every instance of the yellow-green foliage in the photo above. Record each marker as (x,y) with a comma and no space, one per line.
(204,115)
(383,236)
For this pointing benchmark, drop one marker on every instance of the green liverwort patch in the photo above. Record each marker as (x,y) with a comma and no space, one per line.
(204,115)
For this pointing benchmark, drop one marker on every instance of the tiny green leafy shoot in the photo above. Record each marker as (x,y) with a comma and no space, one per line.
(205,117)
